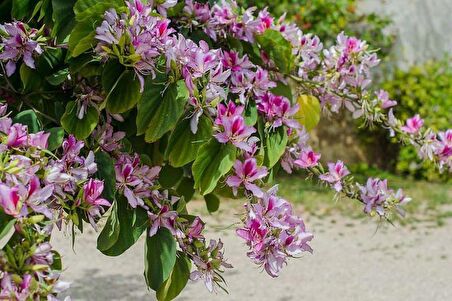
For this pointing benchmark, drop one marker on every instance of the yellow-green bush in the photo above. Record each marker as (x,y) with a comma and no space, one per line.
(426,90)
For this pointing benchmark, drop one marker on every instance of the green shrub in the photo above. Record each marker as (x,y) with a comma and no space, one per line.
(426,90)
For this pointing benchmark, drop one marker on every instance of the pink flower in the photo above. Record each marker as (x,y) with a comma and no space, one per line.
(162,6)
(43,254)
(262,82)
(92,191)
(254,233)
(208,265)
(165,218)
(3,109)
(374,195)
(72,148)
(413,124)
(278,110)
(378,197)
(336,171)
(17,135)
(198,10)
(273,233)
(39,197)
(10,200)
(39,140)
(12,290)
(383,98)
(265,21)
(227,111)
(134,179)
(108,140)
(245,174)
(231,60)
(195,229)
(443,149)
(235,131)
(307,159)
(19,43)
(111,29)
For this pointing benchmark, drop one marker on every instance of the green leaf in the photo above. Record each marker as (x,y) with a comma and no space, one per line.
(157,115)
(131,222)
(22,8)
(57,264)
(52,59)
(183,145)
(31,80)
(309,113)
(89,15)
(58,77)
(110,233)
(80,128)
(6,224)
(278,48)
(169,176)
(112,70)
(63,17)
(185,188)
(106,172)
(89,8)
(251,114)
(56,138)
(178,279)
(149,102)
(275,146)
(283,90)
(212,202)
(214,160)
(82,38)
(86,65)
(28,118)
(122,86)
(160,258)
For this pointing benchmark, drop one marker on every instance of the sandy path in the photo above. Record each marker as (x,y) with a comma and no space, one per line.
(351,262)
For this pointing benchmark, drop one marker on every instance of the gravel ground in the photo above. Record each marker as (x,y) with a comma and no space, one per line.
(352,260)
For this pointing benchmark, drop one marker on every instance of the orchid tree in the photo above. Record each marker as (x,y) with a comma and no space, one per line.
(125,109)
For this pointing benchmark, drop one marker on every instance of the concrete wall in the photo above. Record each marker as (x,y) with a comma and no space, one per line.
(423,27)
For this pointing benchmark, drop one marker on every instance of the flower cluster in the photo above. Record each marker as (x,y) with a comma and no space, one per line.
(336,172)
(209,262)
(338,76)
(135,180)
(246,173)
(277,110)
(18,41)
(26,268)
(377,197)
(432,146)
(139,184)
(37,191)
(207,258)
(233,128)
(273,233)
(107,138)
(146,36)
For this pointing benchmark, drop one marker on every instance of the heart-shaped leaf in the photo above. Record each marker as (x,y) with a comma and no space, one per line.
(160,258)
